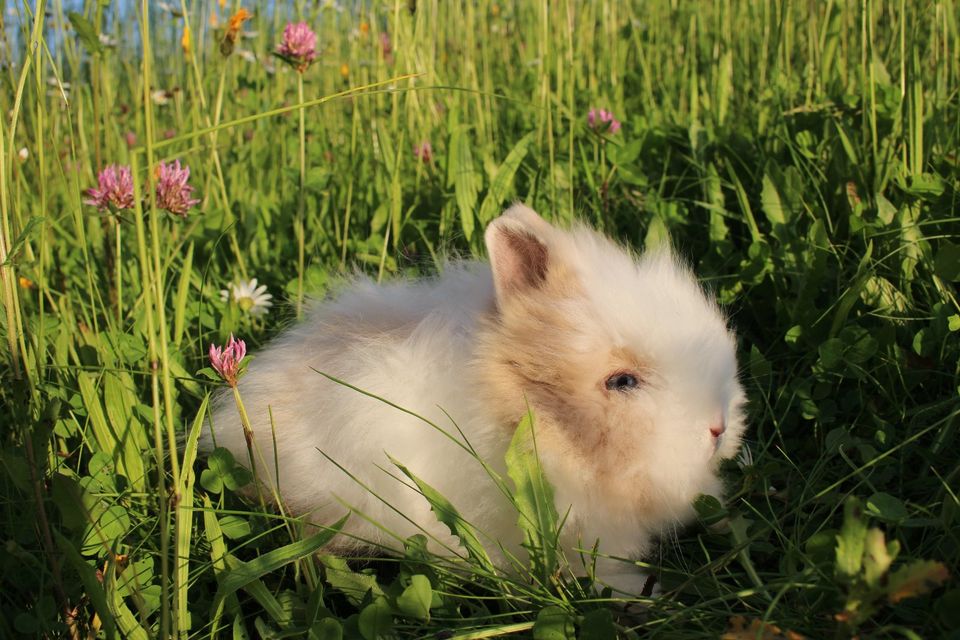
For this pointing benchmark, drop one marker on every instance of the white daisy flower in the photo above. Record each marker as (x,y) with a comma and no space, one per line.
(248,296)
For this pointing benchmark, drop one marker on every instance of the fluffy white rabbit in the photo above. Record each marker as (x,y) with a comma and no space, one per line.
(629,368)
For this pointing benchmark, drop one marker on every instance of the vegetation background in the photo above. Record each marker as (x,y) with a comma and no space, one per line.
(803,155)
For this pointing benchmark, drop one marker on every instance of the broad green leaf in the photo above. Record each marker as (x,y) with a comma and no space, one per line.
(235,527)
(881,294)
(859,344)
(223,471)
(878,555)
(598,625)
(554,623)
(119,399)
(353,585)
(709,510)
(91,585)
(220,460)
(246,572)
(886,212)
(500,186)
(886,507)
(624,154)
(238,478)
(658,234)
(713,192)
(448,515)
(210,480)
(127,623)
(773,206)
(927,186)
(218,557)
(86,32)
(264,596)
(466,179)
(136,576)
(239,629)
(415,600)
(326,629)
(850,542)
(831,353)
(533,497)
(105,530)
(821,546)
(793,335)
(376,619)
(121,445)
(946,264)
(67,494)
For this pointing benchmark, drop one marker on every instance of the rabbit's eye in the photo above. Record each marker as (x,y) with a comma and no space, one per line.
(622,382)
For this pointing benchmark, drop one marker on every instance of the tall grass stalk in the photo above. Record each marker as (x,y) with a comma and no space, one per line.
(7,274)
(299,229)
(157,332)
(159,452)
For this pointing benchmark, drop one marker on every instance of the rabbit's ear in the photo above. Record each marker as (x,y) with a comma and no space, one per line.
(528,217)
(519,255)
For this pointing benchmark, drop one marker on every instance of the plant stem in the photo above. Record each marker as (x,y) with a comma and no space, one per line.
(159,359)
(253,448)
(301,204)
(119,275)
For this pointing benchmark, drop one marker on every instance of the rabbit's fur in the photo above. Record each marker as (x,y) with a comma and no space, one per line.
(554,316)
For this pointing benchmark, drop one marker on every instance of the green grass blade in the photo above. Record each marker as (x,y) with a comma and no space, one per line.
(448,515)
(533,496)
(503,181)
(237,577)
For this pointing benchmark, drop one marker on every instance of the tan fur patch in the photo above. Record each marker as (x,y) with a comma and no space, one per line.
(525,357)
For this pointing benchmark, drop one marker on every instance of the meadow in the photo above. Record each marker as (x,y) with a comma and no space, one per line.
(802,155)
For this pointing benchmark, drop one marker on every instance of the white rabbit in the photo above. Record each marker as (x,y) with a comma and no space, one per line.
(628,366)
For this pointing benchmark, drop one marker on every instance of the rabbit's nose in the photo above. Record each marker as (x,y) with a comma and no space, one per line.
(717,428)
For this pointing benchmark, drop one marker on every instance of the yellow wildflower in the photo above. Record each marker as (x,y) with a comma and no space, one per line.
(364,27)
(214,20)
(344,71)
(237,20)
(185,40)
(233,30)
(26,283)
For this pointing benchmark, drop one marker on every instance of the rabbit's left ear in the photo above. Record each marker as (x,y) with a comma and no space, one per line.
(518,249)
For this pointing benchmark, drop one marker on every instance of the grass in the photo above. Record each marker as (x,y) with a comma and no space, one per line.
(803,156)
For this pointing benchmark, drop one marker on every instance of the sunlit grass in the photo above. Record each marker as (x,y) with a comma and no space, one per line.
(803,156)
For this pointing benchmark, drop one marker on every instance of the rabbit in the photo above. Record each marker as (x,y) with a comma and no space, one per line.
(627,365)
